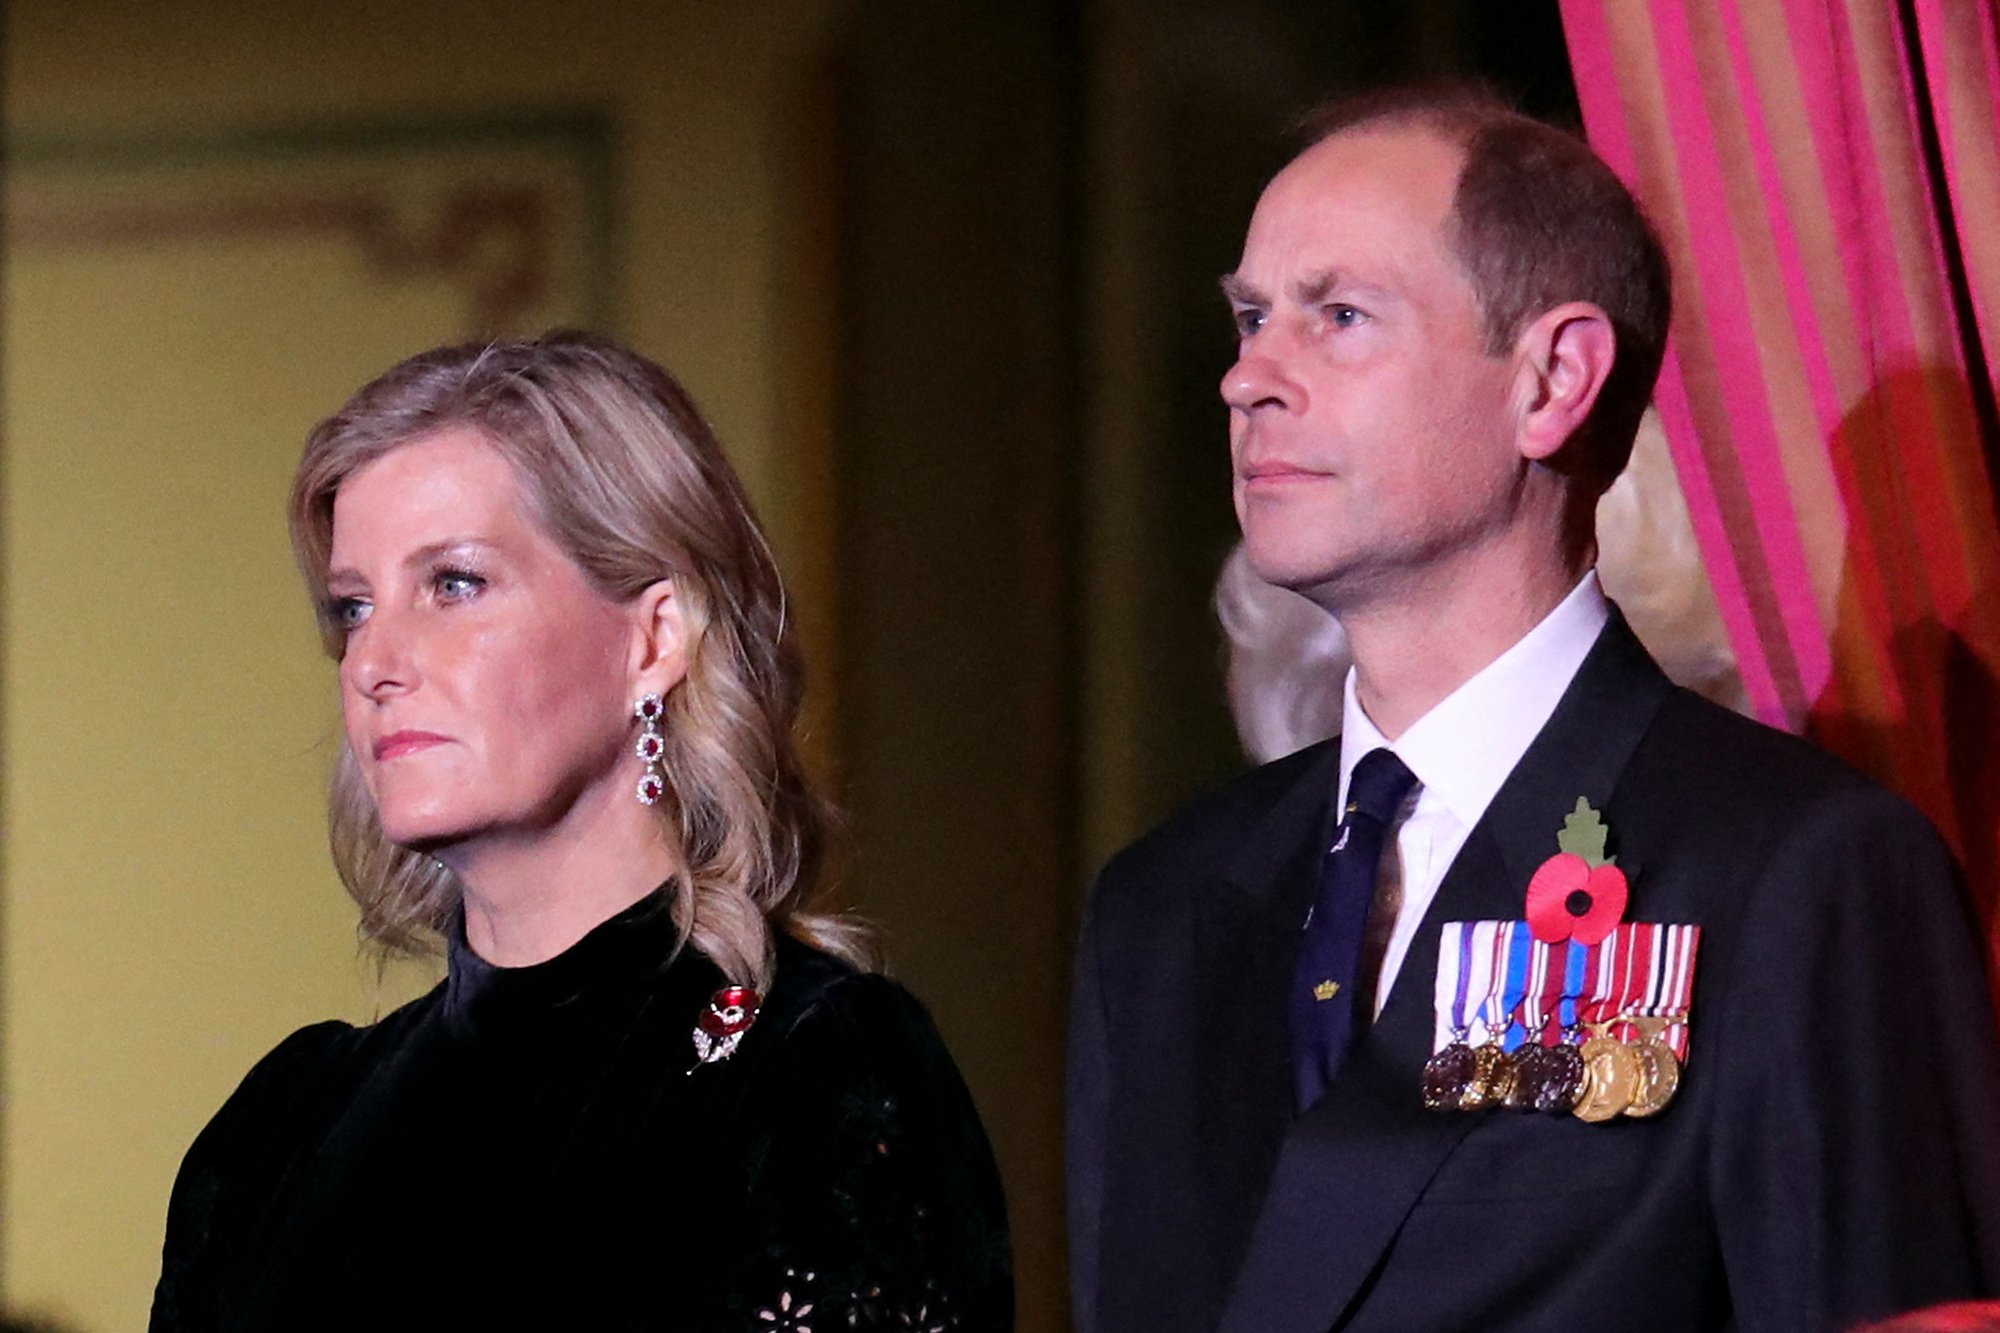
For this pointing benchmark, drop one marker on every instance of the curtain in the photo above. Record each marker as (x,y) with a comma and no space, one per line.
(1825,177)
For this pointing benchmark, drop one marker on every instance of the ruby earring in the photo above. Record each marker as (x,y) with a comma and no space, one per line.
(651,747)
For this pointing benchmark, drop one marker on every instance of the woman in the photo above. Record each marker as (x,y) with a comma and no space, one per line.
(655,1090)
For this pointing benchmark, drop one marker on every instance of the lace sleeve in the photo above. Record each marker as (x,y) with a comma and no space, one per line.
(874,1201)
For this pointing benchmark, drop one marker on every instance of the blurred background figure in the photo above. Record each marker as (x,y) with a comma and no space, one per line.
(1287,659)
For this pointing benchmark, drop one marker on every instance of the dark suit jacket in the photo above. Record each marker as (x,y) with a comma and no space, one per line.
(1833,1154)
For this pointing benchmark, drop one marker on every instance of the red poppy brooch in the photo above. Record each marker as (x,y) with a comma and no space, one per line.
(1579,893)
(719,1030)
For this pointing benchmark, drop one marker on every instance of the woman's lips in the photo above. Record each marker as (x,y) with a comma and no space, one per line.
(399,743)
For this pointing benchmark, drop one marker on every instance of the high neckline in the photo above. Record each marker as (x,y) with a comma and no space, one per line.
(612,966)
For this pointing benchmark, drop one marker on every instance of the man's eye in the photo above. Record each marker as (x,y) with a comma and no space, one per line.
(1344,316)
(1248,322)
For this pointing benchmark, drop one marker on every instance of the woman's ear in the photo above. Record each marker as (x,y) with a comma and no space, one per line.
(659,639)
(1565,356)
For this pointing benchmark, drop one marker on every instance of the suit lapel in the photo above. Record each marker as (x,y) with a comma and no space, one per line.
(1248,946)
(1350,1170)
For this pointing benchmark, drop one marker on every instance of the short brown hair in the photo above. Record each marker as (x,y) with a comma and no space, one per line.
(1539,219)
(629,480)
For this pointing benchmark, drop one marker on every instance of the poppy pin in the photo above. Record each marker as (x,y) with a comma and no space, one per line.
(1579,893)
(719,1030)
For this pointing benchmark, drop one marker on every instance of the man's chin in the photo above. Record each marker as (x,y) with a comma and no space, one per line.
(1302,571)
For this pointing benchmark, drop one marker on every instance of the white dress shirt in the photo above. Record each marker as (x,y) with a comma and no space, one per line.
(1462,751)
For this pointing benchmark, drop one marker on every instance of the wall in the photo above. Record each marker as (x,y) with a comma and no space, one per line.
(943,275)
(224,216)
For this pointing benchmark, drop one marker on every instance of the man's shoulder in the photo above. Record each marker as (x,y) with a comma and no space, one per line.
(1204,836)
(1702,744)
(1713,778)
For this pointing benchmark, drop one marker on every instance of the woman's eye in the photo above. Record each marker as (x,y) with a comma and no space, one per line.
(347,613)
(456,585)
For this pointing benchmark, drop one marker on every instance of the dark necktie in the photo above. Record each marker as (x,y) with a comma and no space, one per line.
(1325,988)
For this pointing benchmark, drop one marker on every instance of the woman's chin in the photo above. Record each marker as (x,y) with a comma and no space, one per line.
(426,831)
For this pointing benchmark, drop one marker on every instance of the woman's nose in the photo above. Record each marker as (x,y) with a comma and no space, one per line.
(379,662)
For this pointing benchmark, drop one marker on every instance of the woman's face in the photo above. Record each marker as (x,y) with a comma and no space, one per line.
(486,686)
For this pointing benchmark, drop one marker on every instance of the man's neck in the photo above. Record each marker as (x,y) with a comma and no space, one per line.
(1412,649)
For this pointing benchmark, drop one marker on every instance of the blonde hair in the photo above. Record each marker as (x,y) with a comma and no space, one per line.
(628,478)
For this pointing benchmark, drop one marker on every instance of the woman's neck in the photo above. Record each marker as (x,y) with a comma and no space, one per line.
(530,897)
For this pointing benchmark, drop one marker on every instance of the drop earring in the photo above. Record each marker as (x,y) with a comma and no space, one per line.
(651,747)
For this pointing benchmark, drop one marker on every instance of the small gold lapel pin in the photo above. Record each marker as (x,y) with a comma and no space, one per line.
(1326,990)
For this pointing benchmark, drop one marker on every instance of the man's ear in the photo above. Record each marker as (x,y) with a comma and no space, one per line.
(659,639)
(1565,357)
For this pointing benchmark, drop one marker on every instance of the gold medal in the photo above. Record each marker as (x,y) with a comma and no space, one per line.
(1659,1068)
(1611,1076)
(1493,1077)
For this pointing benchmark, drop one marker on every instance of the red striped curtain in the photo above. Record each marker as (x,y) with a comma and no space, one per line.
(1825,176)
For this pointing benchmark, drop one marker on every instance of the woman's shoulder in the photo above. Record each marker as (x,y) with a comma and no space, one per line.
(874,1190)
(233,1157)
(290,1068)
(307,1069)
(819,999)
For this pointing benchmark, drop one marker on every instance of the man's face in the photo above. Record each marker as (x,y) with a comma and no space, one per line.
(1371,434)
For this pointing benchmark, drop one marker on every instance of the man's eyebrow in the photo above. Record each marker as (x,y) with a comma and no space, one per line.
(1240,292)
(1313,288)
(1309,290)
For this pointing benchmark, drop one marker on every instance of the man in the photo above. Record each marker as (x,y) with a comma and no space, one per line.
(1450,319)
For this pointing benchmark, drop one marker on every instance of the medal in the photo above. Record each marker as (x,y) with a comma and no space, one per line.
(1659,1069)
(1536,1063)
(1611,1076)
(1611,1070)
(1445,1076)
(1494,1077)
(1447,1072)
(1492,1080)
(1563,1068)
(1668,985)
(1528,1077)
(1575,1010)
(1563,1077)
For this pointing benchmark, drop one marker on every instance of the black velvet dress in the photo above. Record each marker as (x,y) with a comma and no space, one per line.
(538,1148)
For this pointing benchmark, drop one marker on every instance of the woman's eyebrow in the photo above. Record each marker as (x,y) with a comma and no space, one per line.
(431,551)
(423,555)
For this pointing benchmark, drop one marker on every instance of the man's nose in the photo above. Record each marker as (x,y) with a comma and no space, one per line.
(1259,381)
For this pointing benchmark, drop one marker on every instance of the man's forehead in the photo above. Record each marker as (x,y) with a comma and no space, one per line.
(1359,194)
(1401,164)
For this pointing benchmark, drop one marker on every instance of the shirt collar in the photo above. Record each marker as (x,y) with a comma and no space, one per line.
(1464,748)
